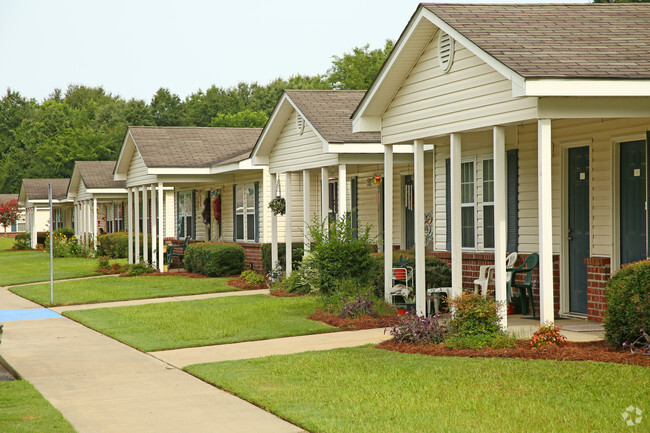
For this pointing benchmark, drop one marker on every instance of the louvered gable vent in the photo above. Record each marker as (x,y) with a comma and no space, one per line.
(300,123)
(445,51)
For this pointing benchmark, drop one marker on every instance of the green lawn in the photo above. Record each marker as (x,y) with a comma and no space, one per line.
(120,289)
(365,389)
(24,410)
(173,325)
(29,266)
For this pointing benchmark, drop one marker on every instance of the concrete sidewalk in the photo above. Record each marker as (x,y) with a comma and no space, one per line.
(103,386)
(278,346)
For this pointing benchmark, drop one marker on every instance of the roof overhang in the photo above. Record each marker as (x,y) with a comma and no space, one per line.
(124,159)
(417,35)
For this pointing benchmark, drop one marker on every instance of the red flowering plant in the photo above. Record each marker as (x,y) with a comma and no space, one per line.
(9,212)
(547,334)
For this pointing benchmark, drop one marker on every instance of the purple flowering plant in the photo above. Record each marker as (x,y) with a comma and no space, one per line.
(418,330)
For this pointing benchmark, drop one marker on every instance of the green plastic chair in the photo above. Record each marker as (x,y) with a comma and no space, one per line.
(169,256)
(181,253)
(525,288)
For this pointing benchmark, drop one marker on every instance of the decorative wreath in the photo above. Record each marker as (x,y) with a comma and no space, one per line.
(216,209)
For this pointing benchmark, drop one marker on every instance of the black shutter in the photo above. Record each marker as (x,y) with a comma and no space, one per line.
(355,203)
(448,200)
(512,181)
(193,234)
(179,221)
(647,194)
(234,213)
(257,211)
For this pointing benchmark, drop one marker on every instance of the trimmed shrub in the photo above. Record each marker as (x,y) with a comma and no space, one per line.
(138,269)
(474,314)
(21,241)
(547,334)
(628,303)
(251,277)
(214,259)
(116,245)
(297,251)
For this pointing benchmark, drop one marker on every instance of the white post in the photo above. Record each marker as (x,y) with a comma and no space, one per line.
(161,227)
(306,207)
(433,192)
(129,222)
(86,223)
(76,220)
(456,234)
(324,194)
(145,224)
(95,223)
(274,224)
(33,227)
(288,232)
(343,191)
(388,221)
(154,228)
(500,203)
(544,182)
(136,223)
(420,241)
(89,221)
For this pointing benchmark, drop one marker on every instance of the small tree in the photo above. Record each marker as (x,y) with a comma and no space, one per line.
(9,213)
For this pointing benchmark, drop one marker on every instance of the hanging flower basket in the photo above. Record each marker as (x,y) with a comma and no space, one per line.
(278,206)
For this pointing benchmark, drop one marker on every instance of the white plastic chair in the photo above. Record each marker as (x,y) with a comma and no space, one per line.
(486,274)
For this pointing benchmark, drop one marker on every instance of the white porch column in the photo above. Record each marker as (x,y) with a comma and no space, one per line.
(34,234)
(76,220)
(89,221)
(544,188)
(388,221)
(456,216)
(343,191)
(86,223)
(145,224)
(420,241)
(499,143)
(95,223)
(274,224)
(136,223)
(160,226)
(324,193)
(288,234)
(306,207)
(129,221)
(154,228)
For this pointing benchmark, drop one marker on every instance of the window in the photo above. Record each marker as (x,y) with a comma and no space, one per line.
(57,219)
(185,214)
(468,204)
(118,214)
(488,203)
(245,226)
(333,199)
(109,218)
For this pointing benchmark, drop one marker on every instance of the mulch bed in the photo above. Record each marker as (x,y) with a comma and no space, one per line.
(281,293)
(571,351)
(241,284)
(358,323)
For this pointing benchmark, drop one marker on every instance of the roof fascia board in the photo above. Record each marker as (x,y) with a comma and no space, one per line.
(593,107)
(584,87)
(178,170)
(120,172)
(475,49)
(260,150)
(106,190)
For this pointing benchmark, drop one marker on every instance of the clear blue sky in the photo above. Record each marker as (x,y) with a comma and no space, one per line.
(133,47)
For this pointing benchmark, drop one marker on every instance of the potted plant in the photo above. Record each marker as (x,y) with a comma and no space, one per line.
(278,205)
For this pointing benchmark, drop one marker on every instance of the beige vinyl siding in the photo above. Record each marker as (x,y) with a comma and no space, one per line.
(471,95)
(295,151)
(137,172)
(82,194)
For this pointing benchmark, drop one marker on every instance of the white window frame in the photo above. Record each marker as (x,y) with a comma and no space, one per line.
(182,212)
(470,204)
(57,218)
(245,210)
(483,202)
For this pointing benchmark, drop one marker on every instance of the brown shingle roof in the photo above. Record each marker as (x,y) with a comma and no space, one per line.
(36,189)
(329,112)
(192,146)
(98,174)
(4,198)
(558,40)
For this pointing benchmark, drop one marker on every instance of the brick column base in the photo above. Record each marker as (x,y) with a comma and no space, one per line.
(598,272)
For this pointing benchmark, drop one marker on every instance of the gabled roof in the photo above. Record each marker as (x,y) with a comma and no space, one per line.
(327,111)
(97,174)
(558,40)
(544,49)
(4,198)
(37,189)
(191,146)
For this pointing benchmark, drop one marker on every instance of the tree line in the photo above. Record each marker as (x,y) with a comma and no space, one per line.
(42,139)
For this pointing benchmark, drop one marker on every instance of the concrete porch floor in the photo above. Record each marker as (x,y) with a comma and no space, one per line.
(573,329)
